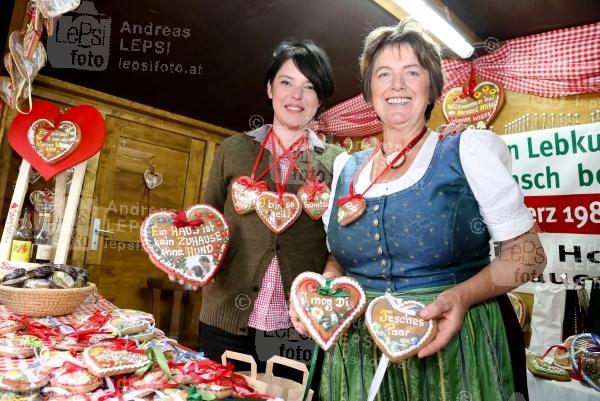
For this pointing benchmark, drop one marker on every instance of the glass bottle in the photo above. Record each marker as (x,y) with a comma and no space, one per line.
(22,240)
(42,241)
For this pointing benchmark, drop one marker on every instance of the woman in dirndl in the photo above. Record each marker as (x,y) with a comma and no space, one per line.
(431,208)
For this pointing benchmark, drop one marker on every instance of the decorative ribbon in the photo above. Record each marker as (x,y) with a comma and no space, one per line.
(378,377)
(96,319)
(314,185)
(396,303)
(180,220)
(326,290)
(468,89)
(194,394)
(348,198)
(311,371)
(250,183)
(36,329)
(155,355)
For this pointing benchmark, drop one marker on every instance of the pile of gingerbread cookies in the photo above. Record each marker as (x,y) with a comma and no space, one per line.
(47,276)
(578,357)
(116,356)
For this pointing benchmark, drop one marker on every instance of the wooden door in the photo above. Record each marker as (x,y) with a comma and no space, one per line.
(119,266)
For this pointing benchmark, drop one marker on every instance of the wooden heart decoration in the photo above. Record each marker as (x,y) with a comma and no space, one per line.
(396,328)
(351,210)
(314,199)
(192,252)
(327,307)
(42,200)
(486,102)
(53,143)
(277,216)
(87,118)
(152,179)
(244,194)
(106,360)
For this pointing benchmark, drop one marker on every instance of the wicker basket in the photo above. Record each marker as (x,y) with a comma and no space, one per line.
(43,302)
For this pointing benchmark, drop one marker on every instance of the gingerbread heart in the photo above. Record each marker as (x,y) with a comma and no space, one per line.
(56,8)
(123,326)
(244,192)
(585,358)
(396,328)
(106,360)
(132,313)
(8,326)
(87,118)
(42,200)
(276,215)
(483,106)
(327,307)
(192,252)
(314,199)
(19,346)
(75,380)
(351,210)
(152,179)
(519,307)
(23,381)
(28,67)
(53,143)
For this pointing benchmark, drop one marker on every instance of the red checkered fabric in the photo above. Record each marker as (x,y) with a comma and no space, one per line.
(550,64)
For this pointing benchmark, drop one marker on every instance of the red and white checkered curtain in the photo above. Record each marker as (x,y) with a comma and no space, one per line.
(550,64)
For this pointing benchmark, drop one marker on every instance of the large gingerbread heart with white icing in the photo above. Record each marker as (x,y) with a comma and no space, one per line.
(327,307)
(192,252)
(107,360)
(485,103)
(396,328)
(276,215)
(123,326)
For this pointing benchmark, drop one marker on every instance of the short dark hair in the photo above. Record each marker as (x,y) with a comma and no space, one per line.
(409,32)
(311,60)
(204,259)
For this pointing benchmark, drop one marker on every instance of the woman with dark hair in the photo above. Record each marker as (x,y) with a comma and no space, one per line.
(430,208)
(248,297)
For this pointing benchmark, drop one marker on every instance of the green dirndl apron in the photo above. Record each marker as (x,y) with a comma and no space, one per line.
(474,366)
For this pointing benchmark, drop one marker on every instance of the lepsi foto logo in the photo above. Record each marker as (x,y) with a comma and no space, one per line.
(81,40)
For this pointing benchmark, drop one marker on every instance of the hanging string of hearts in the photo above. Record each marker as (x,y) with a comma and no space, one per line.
(27,54)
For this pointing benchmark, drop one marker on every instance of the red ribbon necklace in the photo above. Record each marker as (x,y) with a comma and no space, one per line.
(352,206)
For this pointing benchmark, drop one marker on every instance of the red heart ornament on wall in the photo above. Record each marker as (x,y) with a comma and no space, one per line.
(87,118)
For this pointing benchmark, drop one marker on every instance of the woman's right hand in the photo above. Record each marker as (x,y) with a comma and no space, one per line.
(295,318)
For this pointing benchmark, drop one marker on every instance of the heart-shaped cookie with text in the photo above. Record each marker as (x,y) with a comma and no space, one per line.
(585,358)
(189,245)
(53,142)
(123,326)
(276,215)
(314,199)
(483,106)
(351,210)
(327,307)
(244,192)
(52,147)
(396,328)
(106,360)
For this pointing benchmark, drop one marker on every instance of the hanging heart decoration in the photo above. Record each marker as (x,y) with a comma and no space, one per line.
(87,118)
(327,307)
(53,143)
(485,103)
(56,8)
(315,199)
(244,192)
(42,200)
(107,360)
(276,215)
(351,210)
(396,328)
(152,178)
(189,245)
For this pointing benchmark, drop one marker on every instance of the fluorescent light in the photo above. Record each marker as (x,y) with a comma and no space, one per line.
(437,25)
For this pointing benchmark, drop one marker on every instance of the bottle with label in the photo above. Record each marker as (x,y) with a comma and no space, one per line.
(42,241)
(22,240)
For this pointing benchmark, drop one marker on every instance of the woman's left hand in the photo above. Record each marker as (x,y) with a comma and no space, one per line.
(449,310)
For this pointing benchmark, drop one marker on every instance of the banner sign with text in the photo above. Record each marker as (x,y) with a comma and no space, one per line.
(558,170)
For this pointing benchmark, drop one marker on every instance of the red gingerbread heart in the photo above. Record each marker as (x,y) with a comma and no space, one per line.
(327,307)
(87,118)
(192,252)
